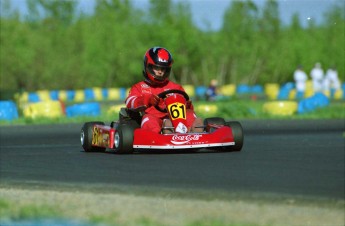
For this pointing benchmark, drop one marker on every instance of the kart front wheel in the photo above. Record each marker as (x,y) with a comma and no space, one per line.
(86,137)
(237,132)
(124,135)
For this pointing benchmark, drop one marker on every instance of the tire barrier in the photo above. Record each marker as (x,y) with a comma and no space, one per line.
(88,94)
(272,90)
(105,93)
(98,94)
(293,94)
(66,95)
(8,110)
(93,94)
(318,100)
(54,95)
(335,94)
(246,89)
(44,95)
(33,98)
(227,90)
(114,110)
(123,93)
(190,90)
(309,90)
(257,89)
(28,102)
(243,89)
(200,92)
(338,94)
(80,95)
(117,93)
(280,108)
(44,109)
(40,95)
(84,109)
(114,94)
(285,90)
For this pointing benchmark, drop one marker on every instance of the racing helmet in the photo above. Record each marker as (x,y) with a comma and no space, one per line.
(157,57)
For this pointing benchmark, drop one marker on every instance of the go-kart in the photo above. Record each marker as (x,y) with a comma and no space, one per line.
(125,135)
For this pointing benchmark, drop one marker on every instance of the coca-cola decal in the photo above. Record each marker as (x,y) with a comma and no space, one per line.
(183,139)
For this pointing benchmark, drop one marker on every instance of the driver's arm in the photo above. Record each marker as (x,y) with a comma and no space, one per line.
(138,101)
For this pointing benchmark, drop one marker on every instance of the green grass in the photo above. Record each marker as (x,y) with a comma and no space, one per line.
(11,211)
(113,209)
(229,109)
(17,212)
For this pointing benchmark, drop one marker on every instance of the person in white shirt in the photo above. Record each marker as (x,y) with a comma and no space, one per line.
(316,75)
(331,81)
(300,78)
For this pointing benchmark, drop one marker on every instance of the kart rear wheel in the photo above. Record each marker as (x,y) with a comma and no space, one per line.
(237,132)
(124,135)
(214,120)
(86,137)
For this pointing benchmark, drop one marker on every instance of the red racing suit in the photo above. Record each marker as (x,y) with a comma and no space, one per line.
(152,118)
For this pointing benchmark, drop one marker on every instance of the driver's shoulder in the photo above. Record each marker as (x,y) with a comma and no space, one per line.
(140,85)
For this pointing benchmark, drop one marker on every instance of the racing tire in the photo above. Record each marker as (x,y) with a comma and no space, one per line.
(124,135)
(86,137)
(237,132)
(213,120)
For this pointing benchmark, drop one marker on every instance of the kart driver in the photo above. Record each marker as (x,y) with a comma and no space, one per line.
(143,95)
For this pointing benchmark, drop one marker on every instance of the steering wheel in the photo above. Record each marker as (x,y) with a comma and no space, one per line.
(164,94)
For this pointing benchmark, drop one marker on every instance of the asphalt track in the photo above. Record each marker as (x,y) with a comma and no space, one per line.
(294,158)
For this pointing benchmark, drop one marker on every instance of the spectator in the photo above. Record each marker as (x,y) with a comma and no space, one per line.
(211,92)
(331,82)
(300,78)
(316,75)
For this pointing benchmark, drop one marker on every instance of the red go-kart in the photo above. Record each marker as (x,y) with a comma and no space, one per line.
(125,135)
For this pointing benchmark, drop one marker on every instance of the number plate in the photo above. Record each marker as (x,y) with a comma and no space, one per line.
(177,111)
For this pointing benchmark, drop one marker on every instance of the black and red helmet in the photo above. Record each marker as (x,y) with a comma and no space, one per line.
(158,57)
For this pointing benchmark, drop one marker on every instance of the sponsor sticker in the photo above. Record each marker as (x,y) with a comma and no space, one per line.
(183,139)
(99,138)
(181,128)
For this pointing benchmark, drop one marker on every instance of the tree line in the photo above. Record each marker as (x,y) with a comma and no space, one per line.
(56,46)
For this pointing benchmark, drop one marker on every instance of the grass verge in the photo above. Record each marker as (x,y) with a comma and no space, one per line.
(92,208)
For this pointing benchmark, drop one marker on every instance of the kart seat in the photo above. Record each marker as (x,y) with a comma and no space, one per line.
(127,114)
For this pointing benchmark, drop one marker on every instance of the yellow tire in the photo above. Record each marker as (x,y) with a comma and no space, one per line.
(272,90)
(281,108)
(44,109)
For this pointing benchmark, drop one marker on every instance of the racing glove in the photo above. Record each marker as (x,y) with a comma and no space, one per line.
(150,100)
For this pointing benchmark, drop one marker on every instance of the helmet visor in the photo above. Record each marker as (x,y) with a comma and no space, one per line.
(159,72)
